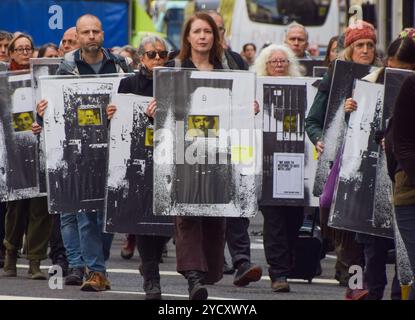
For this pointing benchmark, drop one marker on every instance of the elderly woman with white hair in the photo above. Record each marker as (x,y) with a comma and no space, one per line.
(281,223)
(277,61)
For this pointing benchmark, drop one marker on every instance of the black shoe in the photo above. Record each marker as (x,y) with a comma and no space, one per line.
(62,262)
(196,289)
(227,269)
(152,289)
(247,273)
(75,277)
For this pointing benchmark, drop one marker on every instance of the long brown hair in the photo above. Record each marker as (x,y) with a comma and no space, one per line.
(215,53)
(330,45)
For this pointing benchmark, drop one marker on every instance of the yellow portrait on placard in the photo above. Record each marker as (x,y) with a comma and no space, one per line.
(22,121)
(202,126)
(149,137)
(89,117)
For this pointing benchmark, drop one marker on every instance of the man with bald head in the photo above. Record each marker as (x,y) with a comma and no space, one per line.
(69,41)
(90,58)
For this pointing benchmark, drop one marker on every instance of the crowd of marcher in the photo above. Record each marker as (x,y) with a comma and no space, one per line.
(77,242)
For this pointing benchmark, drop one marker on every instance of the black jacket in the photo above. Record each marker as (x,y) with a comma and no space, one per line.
(140,83)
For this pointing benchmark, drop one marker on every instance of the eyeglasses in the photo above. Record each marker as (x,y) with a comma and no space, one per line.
(276,62)
(152,54)
(21,50)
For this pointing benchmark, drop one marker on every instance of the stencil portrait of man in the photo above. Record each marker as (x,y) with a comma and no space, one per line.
(22,121)
(89,117)
(203,126)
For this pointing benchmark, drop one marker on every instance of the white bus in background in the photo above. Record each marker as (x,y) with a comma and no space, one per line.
(262,21)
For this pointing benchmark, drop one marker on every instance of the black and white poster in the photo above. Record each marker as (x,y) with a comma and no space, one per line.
(382,208)
(205,147)
(403,265)
(283,103)
(319,71)
(42,67)
(355,190)
(76,137)
(308,66)
(335,122)
(18,145)
(129,191)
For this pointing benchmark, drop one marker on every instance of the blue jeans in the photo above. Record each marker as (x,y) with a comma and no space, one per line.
(88,245)
(405,218)
(70,237)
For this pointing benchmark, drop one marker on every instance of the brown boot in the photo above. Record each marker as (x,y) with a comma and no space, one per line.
(10,262)
(34,270)
(96,281)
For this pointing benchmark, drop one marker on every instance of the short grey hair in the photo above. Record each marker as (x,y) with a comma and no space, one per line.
(293,25)
(152,40)
(260,65)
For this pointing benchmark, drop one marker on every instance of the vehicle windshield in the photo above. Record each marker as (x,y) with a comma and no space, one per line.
(283,12)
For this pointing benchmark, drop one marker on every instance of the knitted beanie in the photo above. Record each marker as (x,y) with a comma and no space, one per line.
(357,31)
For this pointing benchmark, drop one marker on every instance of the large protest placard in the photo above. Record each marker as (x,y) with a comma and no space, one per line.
(290,161)
(334,125)
(382,208)
(18,145)
(42,67)
(355,191)
(75,126)
(308,65)
(129,190)
(205,151)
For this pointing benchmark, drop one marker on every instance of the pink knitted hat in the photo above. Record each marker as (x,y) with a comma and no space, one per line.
(357,31)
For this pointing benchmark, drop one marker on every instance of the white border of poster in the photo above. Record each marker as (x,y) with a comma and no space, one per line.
(234,107)
(310,154)
(52,89)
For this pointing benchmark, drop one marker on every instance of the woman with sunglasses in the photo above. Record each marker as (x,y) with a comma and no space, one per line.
(152,52)
(27,216)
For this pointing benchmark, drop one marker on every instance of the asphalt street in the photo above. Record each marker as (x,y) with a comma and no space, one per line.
(127,283)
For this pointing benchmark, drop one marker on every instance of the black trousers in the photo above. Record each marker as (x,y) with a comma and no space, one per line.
(150,249)
(55,242)
(376,256)
(281,227)
(238,241)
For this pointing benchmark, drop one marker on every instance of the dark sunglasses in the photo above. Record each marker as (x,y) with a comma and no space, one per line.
(152,54)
